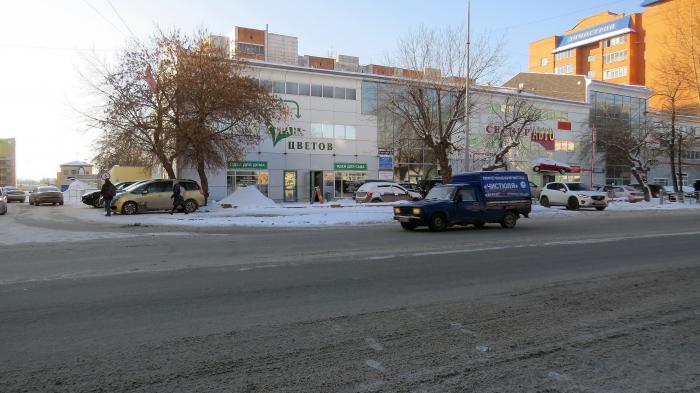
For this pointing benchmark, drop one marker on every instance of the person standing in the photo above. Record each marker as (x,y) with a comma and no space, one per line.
(178,199)
(108,192)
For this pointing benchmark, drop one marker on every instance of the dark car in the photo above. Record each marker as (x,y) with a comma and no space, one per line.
(14,194)
(45,194)
(93,198)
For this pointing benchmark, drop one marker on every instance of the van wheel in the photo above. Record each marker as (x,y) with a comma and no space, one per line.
(191,205)
(599,208)
(544,201)
(437,223)
(409,226)
(129,208)
(572,204)
(509,220)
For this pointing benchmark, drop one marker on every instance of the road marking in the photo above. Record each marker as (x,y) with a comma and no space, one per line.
(374,364)
(460,327)
(374,344)
(546,244)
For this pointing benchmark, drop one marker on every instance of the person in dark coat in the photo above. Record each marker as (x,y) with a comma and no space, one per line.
(178,199)
(108,191)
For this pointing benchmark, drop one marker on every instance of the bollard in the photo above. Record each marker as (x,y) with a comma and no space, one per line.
(661,196)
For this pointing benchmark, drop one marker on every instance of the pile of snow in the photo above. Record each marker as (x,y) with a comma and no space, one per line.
(248,197)
(75,190)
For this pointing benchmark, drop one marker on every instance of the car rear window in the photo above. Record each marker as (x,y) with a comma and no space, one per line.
(48,189)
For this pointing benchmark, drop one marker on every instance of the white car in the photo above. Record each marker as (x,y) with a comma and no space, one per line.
(572,195)
(629,193)
(385,192)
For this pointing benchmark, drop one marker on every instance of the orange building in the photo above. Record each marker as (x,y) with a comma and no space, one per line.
(627,49)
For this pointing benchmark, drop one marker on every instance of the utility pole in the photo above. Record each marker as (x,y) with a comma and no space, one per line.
(467,164)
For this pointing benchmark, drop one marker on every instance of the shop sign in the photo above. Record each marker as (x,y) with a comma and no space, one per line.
(386,163)
(541,135)
(385,151)
(278,134)
(247,164)
(349,166)
(594,33)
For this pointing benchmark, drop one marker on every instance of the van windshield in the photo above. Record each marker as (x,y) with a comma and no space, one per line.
(445,193)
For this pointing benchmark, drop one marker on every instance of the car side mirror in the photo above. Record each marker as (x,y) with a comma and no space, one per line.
(458,199)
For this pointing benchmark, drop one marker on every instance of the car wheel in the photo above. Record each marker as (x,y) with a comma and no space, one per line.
(376,200)
(479,225)
(60,203)
(572,204)
(409,226)
(129,208)
(191,205)
(544,201)
(562,171)
(437,223)
(509,220)
(536,168)
(599,208)
(96,203)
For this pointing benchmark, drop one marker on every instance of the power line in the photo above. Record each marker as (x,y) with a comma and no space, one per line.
(120,18)
(103,17)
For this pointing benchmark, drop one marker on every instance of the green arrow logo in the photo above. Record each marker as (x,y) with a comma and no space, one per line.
(298,113)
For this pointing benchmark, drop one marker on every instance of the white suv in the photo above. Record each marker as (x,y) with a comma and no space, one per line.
(572,195)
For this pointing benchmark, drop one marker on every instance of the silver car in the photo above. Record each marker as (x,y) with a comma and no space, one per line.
(3,202)
(14,194)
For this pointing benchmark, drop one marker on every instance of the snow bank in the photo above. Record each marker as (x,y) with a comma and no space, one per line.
(248,197)
(75,191)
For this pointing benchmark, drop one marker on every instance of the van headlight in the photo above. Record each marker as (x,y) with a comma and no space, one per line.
(397,210)
(416,211)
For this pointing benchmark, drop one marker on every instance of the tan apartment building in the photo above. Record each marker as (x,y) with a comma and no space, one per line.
(8,159)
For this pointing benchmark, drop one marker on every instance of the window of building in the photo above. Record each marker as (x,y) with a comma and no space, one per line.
(661,181)
(613,73)
(316,130)
(621,39)
(339,92)
(567,54)
(564,145)
(292,88)
(303,89)
(591,58)
(614,57)
(564,69)
(328,130)
(350,94)
(327,91)
(266,85)
(278,87)
(316,91)
(544,61)
(250,49)
(350,132)
(339,131)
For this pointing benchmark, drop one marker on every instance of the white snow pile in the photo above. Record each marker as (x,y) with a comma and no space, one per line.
(79,186)
(248,197)
(75,190)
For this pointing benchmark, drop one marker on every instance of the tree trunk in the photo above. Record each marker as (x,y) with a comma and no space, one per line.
(445,169)
(201,171)
(672,153)
(643,181)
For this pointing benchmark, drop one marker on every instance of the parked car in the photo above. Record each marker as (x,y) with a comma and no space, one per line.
(427,185)
(14,194)
(474,198)
(45,194)
(3,202)
(573,196)
(93,198)
(688,192)
(153,195)
(629,193)
(549,165)
(384,192)
(655,189)
(411,187)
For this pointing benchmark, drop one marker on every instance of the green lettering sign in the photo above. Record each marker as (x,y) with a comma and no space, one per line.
(349,166)
(247,165)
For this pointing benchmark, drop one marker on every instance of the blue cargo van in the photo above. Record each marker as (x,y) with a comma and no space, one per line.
(473,198)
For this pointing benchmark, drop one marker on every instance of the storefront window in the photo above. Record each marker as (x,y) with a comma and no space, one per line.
(346,183)
(290,186)
(237,179)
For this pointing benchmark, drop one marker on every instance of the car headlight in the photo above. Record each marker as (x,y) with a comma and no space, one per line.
(397,210)
(416,211)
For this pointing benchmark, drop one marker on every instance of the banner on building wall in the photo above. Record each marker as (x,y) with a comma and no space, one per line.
(386,163)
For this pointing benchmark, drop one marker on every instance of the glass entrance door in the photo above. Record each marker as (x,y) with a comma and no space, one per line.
(290,186)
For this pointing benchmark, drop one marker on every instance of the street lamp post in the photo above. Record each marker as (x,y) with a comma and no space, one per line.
(467,166)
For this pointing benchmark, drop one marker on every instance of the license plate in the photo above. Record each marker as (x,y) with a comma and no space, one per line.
(404,219)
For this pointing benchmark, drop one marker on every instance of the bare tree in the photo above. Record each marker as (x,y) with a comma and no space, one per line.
(136,96)
(427,96)
(511,121)
(635,145)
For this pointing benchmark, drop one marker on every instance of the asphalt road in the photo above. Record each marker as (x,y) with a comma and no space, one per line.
(257,310)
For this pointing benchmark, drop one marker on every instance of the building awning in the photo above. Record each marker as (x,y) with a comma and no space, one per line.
(594,34)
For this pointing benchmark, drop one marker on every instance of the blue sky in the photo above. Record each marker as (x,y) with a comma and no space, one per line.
(43,45)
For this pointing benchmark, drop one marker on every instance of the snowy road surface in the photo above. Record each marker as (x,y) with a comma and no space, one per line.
(575,303)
